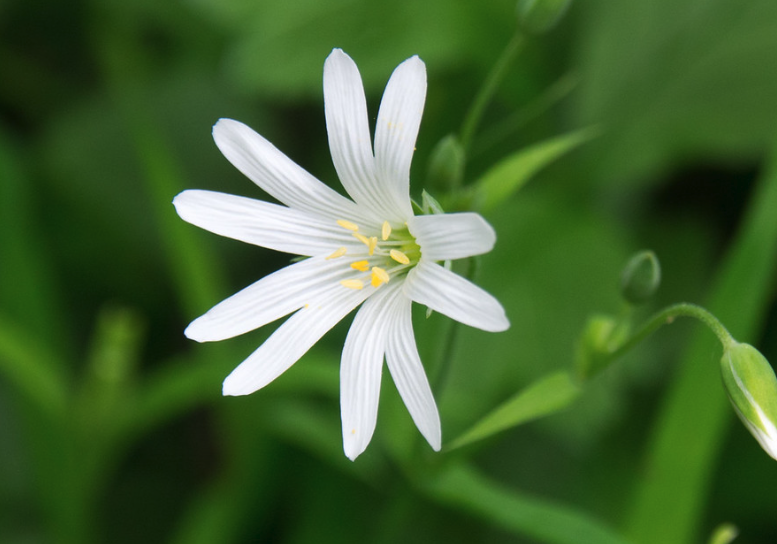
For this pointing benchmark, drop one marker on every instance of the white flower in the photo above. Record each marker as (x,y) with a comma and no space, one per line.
(370,250)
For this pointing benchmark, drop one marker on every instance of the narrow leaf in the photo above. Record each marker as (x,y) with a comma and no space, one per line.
(510,174)
(546,396)
(463,488)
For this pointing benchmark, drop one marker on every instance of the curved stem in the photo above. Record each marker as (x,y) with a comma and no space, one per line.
(667,316)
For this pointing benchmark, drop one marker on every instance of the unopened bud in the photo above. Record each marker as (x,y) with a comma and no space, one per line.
(446,165)
(601,336)
(752,388)
(538,16)
(641,277)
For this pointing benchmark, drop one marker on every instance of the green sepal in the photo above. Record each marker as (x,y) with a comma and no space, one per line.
(641,277)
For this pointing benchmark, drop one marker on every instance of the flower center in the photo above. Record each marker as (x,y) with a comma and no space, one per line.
(391,252)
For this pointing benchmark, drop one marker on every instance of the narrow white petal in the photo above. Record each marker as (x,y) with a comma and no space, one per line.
(397,128)
(452,235)
(271,298)
(408,373)
(278,175)
(291,341)
(349,135)
(361,367)
(450,294)
(261,223)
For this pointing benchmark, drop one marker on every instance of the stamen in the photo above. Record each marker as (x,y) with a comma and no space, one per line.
(348,225)
(361,266)
(372,244)
(398,256)
(338,253)
(352,284)
(379,276)
(362,238)
(386,231)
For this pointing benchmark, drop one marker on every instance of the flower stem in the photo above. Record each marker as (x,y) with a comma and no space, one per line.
(488,89)
(667,316)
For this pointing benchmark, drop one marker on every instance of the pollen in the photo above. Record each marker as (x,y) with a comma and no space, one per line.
(372,243)
(379,276)
(398,256)
(386,232)
(361,266)
(348,225)
(338,253)
(352,284)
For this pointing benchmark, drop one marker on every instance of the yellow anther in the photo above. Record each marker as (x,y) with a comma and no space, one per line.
(352,284)
(339,253)
(372,243)
(362,238)
(361,266)
(398,256)
(386,232)
(348,225)
(379,276)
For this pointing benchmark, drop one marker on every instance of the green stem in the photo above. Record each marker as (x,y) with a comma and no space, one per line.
(667,316)
(486,92)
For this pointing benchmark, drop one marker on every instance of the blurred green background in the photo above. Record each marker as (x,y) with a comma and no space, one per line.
(112,427)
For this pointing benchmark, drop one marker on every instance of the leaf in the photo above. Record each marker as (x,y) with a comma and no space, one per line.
(521,514)
(510,174)
(546,396)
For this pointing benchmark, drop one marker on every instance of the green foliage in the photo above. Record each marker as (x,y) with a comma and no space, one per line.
(546,396)
(112,426)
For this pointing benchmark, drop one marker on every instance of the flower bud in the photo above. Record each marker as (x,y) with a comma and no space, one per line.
(641,277)
(446,165)
(538,16)
(602,335)
(752,388)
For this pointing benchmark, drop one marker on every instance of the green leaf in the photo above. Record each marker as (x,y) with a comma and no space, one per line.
(506,177)
(463,488)
(546,396)
(32,370)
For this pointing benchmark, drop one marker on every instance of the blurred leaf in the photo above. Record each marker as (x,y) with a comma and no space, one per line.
(32,369)
(546,396)
(280,47)
(693,420)
(685,79)
(27,290)
(463,488)
(504,179)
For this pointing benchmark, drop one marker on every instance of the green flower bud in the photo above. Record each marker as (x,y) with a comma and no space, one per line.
(641,277)
(752,388)
(538,16)
(446,165)
(601,336)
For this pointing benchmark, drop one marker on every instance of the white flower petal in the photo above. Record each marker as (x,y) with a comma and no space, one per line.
(349,136)
(271,298)
(261,223)
(397,128)
(452,235)
(278,175)
(450,294)
(291,341)
(361,367)
(409,376)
